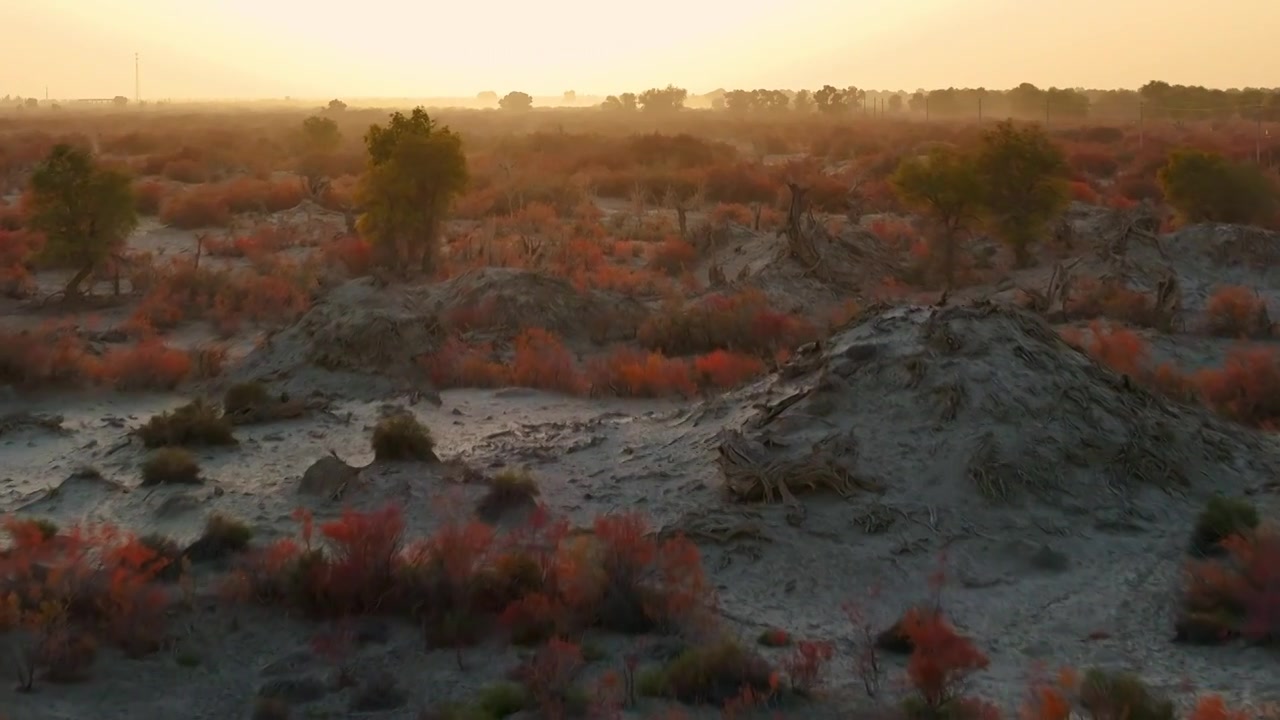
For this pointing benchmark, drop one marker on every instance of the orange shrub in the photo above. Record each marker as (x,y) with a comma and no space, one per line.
(254,195)
(1241,590)
(1213,707)
(1082,192)
(1091,299)
(149,365)
(186,171)
(544,363)
(352,253)
(723,214)
(722,369)
(1098,162)
(196,208)
(631,373)
(743,323)
(148,196)
(1120,349)
(50,355)
(456,364)
(673,256)
(1246,389)
(1237,312)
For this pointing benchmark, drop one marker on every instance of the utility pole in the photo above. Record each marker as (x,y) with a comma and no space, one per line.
(926,108)
(1046,111)
(1142,123)
(137,84)
(979,109)
(1257,140)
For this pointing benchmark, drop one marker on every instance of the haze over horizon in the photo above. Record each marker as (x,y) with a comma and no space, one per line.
(249,49)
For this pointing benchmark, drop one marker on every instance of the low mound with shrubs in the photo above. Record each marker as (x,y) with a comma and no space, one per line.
(403,437)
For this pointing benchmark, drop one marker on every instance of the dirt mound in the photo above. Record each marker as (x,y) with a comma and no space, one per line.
(369,328)
(508,300)
(975,407)
(853,262)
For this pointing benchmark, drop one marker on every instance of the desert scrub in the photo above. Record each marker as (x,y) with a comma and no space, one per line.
(1221,518)
(222,537)
(170,466)
(403,437)
(1122,695)
(714,674)
(508,489)
(196,423)
(774,637)
(167,550)
(245,397)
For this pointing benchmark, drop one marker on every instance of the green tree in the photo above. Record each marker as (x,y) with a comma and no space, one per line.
(320,135)
(516,101)
(946,185)
(1024,178)
(1206,187)
(416,168)
(668,99)
(85,212)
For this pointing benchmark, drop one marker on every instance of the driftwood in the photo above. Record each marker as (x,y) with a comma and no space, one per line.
(752,476)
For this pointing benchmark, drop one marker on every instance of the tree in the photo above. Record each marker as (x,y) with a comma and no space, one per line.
(1207,187)
(829,100)
(416,168)
(895,103)
(626,102)
(516,101)
(1025,180)
(120,101)
(945,184)
(320,134)
(570,97)
(32,103)
(85,212)
(488,97)
(739,101)
(803,101)
(336,105)
(668,99)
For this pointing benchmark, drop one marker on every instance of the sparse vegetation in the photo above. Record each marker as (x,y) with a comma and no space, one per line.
(170,466)
(403,437)
(193,424)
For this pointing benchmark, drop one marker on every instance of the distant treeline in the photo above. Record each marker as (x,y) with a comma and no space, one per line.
(1155,100)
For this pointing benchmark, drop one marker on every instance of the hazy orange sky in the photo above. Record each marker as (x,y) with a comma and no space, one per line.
(385,48)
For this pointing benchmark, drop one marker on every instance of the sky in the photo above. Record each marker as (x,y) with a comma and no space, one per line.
(246,49)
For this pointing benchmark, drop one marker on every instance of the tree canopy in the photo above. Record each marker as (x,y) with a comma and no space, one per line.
(416,168)
(85,212)
(1024,175)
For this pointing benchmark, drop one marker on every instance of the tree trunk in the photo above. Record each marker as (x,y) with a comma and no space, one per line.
(948,258)
(682,220)
(73,285)
(755,221)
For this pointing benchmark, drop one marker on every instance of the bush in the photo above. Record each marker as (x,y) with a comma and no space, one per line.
(196,423)
(1122,695)
(1246,389)
(222,537)
(194,209)
(507,489)
(741,323)
(715,674)
(1237,312)
(1207,187)
(245,397)
(1236,595)
(170,466)
(1221,518)
(403,437)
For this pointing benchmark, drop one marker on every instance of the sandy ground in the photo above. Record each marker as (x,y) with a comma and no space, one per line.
(1061,498)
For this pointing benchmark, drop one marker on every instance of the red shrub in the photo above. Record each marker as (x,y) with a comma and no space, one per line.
(1246,585)
(360,570)
(544,363)
(186,171)
(49,355)
(352,253)
(148,196)
(1213,707)
(941,660)
(1120,349)
(253,195)
(805,665)
(149,365)
(456,364)
(723,214)
(196,208)
(673,257)
(1246,389)
(549,676)
(1098,162)
(1237,312)
(721,369)
(633,373)
(1082,192)
(744,323)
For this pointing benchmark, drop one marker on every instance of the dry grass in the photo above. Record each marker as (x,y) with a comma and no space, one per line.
(170,466)
(402,437)
(194,424)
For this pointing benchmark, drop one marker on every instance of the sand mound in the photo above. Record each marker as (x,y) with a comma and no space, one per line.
(974,406)
(853,262)
(365,327)
(510,300)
